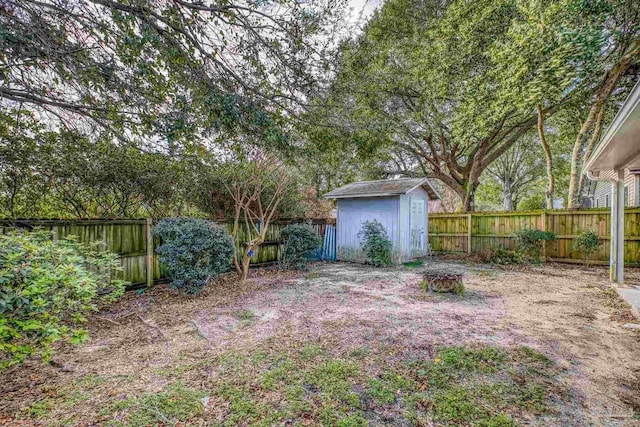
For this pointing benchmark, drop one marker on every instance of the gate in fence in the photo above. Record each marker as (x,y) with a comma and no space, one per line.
(329,243)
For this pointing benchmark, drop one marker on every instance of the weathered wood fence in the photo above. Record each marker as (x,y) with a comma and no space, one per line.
(131,239)
(473,232)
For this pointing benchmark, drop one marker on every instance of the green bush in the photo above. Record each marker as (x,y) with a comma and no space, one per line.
(588,243)
(501,257)
(299,240)
(46,291)
(375,243)
(194,251)
(529,242)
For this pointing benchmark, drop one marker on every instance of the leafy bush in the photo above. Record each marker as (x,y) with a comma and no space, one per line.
(46,291)
(375,243)
(529,242)
(588,243)
(194,251)
(501,257)
(299,240)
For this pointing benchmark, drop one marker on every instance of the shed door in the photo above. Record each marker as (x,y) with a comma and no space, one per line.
(418,223)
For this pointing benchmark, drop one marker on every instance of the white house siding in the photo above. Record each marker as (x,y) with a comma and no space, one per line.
(353,212)
(602,193)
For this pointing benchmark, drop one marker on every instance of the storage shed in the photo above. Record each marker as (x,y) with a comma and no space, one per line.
(400,205)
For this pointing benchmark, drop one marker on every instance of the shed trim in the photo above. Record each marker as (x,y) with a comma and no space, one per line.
(369,191)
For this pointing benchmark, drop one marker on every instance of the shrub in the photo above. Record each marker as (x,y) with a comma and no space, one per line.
(588,243)
(194,251)
(299,240)
(47,290)
(529,242)
(501,257)
(375,243)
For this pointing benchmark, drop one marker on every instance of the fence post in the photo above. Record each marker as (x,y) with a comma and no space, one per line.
(543,227)
(469,233)
(150,263)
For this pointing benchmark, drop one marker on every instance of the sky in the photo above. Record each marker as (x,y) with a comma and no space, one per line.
(365,6)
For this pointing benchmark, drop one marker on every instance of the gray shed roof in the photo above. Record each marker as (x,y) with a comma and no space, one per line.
(381,188)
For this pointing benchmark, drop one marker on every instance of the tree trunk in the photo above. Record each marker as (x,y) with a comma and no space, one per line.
(469,198)
(595,137)
(507,195)
(601,96)
(548,194)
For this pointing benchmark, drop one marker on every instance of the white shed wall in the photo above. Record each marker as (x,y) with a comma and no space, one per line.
(353,212)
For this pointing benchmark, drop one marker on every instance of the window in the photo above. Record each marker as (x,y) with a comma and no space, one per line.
(606,201)
(626,195)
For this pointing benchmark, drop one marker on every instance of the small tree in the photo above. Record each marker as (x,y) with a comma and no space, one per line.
(257,185)
(299,240)
(194,251)
(588,243)
(529,242)
(375,243)
(47,289)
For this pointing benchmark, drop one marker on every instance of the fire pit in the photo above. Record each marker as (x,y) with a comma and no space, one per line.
(443,282)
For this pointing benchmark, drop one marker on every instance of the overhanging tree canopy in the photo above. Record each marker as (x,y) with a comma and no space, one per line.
(145,70)
(450,87)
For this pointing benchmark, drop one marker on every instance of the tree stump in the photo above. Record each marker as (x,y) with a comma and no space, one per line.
(443,282)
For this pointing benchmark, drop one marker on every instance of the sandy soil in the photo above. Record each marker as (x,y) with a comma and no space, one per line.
(569,313)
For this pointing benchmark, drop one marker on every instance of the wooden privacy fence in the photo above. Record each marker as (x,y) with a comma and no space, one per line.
(473,232)
(131,239)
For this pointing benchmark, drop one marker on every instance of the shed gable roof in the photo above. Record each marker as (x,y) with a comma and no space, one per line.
(381,188)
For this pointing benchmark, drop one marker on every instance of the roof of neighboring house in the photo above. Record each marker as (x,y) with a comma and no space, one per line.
(620,145)
(382,188)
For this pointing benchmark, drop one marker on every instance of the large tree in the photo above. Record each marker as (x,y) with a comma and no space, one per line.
(456,84)
(161,71)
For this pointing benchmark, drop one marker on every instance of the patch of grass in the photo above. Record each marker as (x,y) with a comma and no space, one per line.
(414,264)
(359,353)
(486,273)
(311,351)
(76,397)
(313,274)
(333,378)
(246,317)
(243,409)
(386,388)
(534,356)
(40,408)
(352,421)
(90,381)
(482,386)
(174,404)
(280,372)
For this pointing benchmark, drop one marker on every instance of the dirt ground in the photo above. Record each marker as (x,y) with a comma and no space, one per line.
(568,313)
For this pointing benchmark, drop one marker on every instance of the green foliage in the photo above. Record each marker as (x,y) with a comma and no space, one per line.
(529,242)
(469,75)
(299,240)
(501,256)
(194,251)
(587,242)
(47,289)
(375,243)
(146,78)
(414,264)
